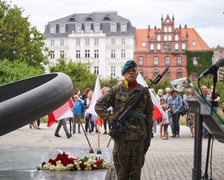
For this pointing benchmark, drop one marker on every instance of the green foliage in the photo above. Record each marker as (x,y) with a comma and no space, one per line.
(204,59)
(11,71)
(18,40)
(109,82)
(80,75)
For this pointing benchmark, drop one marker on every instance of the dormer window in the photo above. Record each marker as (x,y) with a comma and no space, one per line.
(89,19)
(107,19)
(113,27)
(143,44)
(72,19)
(194,43)
(87,27)
(123,27)
(78,27)
(53,28)
(62,28)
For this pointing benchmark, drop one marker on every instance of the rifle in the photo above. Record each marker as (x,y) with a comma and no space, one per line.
(121,124)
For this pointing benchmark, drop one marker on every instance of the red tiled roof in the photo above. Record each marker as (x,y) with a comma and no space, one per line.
(141,36)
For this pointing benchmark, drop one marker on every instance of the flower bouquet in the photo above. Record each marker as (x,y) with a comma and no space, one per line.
(65,162)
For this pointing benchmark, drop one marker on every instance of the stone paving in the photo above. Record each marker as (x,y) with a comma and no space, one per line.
(166,159)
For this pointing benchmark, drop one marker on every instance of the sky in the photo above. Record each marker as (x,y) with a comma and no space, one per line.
(206,16)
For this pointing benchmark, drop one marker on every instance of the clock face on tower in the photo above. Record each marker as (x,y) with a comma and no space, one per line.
(167,21)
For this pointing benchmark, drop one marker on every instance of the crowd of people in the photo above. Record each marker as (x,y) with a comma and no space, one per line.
(142,120)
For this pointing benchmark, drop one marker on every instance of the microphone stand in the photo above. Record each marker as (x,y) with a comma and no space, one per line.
(205,177)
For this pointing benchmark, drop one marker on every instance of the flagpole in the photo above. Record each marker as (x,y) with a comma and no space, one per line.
(98,151)
(80,122)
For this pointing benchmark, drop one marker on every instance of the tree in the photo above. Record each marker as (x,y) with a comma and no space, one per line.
(18,40)
(80,75)
(11,71)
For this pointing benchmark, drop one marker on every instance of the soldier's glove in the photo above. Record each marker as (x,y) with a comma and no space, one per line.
(147,144)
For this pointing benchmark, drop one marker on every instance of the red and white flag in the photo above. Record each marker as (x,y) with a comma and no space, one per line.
(158,111)
(61,113)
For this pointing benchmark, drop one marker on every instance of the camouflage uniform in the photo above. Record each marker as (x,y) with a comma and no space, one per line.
(128,152)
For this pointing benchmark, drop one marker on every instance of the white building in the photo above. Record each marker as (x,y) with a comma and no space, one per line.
(103,41)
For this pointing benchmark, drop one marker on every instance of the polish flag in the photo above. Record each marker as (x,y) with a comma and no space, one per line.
(99,121)
(158,111)
(61,113)
(96,95)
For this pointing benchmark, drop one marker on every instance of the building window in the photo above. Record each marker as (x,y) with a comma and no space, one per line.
(176,46)
(123,41)
(195,76)
(87,27)
(165,46)
(123,27)
(155,61)
(165,37)
(176,37)
(179,60)
(113,27)
(87,42)
(121,69)
(195,61)
(62,54)
(53,29)
(168,75)
(52,42)
(96,70)
(97,27)
(62,28)
(158,38)
(96,53)
(183,46)
(62,42)
(112,71)
(78,54)
(169,38)
(87,53)
(169,46)
(158,47)
(113,41)
(194,43)
(77,42)
(167,60)
(140,61)
(78,27)
(165,29)
(123,55)
(143,44)
(51,54)
(179,74)
(155,73)
(151,46)
(113,53)
(96,42)
(170,29)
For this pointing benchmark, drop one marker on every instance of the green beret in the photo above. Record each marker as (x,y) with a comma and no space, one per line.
(129,64)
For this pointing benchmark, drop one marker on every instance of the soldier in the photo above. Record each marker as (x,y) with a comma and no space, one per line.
(130,148)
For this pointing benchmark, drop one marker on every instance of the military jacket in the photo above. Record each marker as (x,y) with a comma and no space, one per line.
(118,97)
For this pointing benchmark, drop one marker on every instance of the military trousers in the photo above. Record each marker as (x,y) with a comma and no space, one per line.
(128,156)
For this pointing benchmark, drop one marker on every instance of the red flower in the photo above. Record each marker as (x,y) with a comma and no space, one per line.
(52,161)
